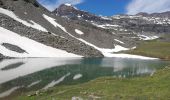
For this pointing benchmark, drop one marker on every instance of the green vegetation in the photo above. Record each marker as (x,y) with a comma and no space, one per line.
(155,87)
(153,48)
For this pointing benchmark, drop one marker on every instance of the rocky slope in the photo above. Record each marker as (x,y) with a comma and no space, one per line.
(47,34)
(70,32)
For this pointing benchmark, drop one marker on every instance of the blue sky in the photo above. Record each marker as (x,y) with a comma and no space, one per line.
(112,7)
(104,7)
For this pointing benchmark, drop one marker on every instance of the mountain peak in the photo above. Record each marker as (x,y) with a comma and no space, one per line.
(69,11)
(65,9)
(67,4)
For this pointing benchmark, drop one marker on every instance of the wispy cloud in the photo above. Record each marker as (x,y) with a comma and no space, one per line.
(149,6)
(53,4)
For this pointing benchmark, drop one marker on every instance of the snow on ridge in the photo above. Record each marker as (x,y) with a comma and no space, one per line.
(105,18)
(79,32)
(12,15)
(106,26)
(70,5)
(33,48)
(53,22)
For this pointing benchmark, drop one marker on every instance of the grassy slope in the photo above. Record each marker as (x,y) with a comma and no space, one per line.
(153,49)
(155,87)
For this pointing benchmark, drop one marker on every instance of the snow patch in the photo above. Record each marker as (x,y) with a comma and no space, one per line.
(106,26)
(144,37)
(12,15)
(25,13)
(79,32)
(79,16)
(129,56)
(33,48)
(119,41)
(105,18)
(103,50)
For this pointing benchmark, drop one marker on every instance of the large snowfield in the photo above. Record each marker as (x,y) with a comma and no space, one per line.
(32,48)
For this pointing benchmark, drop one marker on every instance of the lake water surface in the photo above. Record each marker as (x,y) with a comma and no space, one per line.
(23,75)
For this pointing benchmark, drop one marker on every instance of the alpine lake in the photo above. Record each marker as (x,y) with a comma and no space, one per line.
(18,76)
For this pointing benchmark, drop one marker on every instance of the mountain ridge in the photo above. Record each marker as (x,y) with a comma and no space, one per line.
(162,14)
(73,13)
(100,36)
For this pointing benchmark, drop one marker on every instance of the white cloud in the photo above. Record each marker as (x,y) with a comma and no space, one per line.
(149,6)
(51,5)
